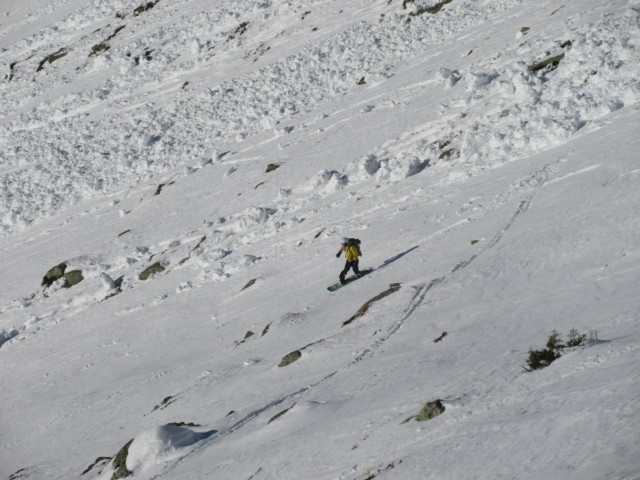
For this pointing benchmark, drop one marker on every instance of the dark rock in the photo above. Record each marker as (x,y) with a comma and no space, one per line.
(56,273)
(430,410)
(120,463)
(72,278)
(152,270)
(289,358)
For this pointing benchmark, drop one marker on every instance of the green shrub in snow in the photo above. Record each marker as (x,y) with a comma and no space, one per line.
(576,339)
(544,357)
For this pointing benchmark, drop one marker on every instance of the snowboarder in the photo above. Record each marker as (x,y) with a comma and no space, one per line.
(351,249)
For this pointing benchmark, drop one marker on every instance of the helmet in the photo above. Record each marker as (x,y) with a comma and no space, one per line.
(344,241)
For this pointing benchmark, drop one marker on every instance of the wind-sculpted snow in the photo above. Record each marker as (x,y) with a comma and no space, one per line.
(105,134)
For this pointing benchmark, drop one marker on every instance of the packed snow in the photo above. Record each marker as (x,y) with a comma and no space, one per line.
(175,181)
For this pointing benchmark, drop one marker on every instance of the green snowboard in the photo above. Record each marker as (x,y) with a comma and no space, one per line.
(337,286)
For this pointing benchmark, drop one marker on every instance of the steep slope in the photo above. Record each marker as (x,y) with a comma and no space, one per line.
(496,198)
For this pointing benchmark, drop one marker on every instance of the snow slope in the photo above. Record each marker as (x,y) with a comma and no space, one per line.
(498,199)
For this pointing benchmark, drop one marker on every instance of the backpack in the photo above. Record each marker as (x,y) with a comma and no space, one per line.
(356,243)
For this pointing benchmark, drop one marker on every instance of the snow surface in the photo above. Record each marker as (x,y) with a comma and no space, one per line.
(503,200)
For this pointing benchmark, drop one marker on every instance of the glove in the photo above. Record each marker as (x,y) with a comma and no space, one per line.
(337,255)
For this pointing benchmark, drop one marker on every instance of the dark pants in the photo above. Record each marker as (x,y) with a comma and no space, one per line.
(348,266)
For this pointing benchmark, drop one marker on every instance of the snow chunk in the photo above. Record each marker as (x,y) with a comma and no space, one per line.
(327,181)
(164,443)
(398,168)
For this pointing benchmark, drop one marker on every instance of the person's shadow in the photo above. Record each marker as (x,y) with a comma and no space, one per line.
(397,257)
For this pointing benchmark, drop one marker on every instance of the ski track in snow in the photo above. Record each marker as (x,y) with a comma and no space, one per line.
(422,291)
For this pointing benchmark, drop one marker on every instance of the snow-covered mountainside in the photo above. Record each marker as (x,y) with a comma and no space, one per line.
(176,177)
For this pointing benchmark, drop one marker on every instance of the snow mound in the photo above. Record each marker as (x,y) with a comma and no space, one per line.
(161,445)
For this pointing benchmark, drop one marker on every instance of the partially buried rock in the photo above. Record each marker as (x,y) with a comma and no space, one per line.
(430,410)
(152,270)
(55,273)
(120,463)
(72,278)
(289,358)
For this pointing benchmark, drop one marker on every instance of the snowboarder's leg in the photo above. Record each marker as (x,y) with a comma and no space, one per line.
(356,268)
(344,272)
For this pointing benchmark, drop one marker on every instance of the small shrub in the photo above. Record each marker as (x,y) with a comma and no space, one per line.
(575,338)
(541,358)
(544,357)
(272,167)
(362,81)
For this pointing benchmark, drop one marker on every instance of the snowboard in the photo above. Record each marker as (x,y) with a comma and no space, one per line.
(337,286)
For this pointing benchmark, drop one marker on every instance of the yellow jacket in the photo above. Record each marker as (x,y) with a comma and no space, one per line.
(351,252)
